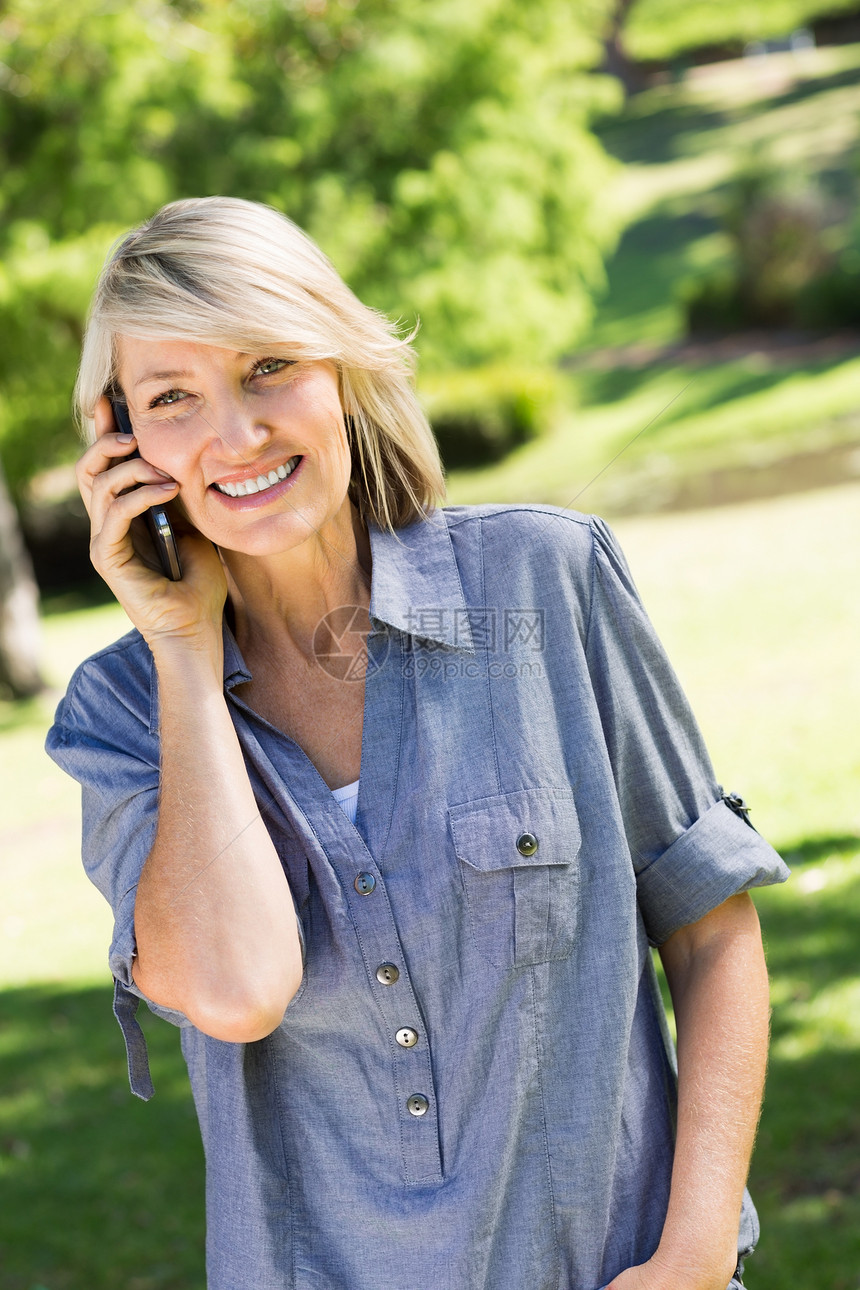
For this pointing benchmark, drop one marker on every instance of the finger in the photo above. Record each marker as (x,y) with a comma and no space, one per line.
(99,457)
(107,468)
(112,545)
(123,484)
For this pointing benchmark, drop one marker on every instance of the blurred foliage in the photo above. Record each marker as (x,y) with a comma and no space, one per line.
(480,414)
(833,298)
(439,152)
(783,270)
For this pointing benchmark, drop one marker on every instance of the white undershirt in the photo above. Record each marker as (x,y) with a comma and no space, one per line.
(347,799)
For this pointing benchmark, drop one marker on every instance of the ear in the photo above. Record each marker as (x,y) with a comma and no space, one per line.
(105,417)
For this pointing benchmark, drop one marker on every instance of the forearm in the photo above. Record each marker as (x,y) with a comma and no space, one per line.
(214,920)
(719,987)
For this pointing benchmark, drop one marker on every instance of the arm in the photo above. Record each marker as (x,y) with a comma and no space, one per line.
(215,925)
(717,976)
(214,921)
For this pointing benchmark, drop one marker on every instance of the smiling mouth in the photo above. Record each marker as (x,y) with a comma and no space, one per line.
(244,487)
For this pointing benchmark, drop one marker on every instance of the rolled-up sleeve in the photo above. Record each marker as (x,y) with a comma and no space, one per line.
(689,850)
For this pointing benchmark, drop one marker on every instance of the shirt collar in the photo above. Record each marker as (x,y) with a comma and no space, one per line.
(415,587)
(415,584)
(235,668)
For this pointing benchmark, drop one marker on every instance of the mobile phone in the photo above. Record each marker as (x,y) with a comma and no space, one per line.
(157,518)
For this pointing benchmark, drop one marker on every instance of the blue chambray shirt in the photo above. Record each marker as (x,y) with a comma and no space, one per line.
(536,806)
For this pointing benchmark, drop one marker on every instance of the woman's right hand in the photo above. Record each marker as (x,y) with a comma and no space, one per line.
(117,489)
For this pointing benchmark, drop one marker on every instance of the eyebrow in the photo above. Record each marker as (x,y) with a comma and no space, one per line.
(161,376)
(177,375)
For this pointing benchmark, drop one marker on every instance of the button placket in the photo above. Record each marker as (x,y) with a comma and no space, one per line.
(339,848)
(410,1064)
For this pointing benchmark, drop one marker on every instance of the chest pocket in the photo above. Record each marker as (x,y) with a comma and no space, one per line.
(518,856)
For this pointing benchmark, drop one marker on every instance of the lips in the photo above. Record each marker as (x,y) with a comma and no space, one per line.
(245,487)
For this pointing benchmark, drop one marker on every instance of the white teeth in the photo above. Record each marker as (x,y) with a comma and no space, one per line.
(242,488)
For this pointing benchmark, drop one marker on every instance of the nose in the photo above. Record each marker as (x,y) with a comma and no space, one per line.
(236,432)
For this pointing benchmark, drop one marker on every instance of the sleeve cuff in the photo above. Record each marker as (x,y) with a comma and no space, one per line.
(123,951)
(717,857)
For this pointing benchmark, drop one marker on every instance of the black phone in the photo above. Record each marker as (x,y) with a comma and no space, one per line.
(157,518)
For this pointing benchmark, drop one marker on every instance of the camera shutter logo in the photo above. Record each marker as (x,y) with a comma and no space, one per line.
(340,644)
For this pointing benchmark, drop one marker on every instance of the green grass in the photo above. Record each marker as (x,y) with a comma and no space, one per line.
(97,1190)
(44,898)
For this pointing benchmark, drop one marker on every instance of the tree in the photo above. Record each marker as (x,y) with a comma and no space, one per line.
(616,59)
(19,608)
(439,151)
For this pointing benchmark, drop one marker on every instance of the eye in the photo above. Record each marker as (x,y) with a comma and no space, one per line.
(168,398)
(270,366)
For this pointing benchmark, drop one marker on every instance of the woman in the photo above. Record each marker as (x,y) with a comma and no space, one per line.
(423,1031)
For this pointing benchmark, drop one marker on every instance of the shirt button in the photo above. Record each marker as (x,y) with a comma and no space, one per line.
(417,1104)
(364,884)
(387,974)
(407,1037)
(527,844)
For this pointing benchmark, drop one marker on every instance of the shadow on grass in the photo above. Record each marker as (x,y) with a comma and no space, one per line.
(644,271)
(809,89)
(811,934)
(651,131)
(649,134)
(812,849)
(714,384)
(805,1176)
(806,1170)
(98,1191)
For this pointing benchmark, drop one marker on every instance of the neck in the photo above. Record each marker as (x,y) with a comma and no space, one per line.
(282,597)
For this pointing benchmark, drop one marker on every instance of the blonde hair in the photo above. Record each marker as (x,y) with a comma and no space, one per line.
(233,273)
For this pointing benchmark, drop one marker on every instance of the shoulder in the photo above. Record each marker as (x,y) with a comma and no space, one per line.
(544,538)
(112,686)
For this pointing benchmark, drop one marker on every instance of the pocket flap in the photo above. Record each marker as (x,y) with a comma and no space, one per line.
(499,832)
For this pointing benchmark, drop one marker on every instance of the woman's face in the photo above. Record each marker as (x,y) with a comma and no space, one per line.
(256,441)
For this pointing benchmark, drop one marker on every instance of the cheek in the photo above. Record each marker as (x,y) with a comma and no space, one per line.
(166,452)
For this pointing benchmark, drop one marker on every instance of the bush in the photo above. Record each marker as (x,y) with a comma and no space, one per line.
(833,299)
(712,303)
(779,252)
(480,414)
